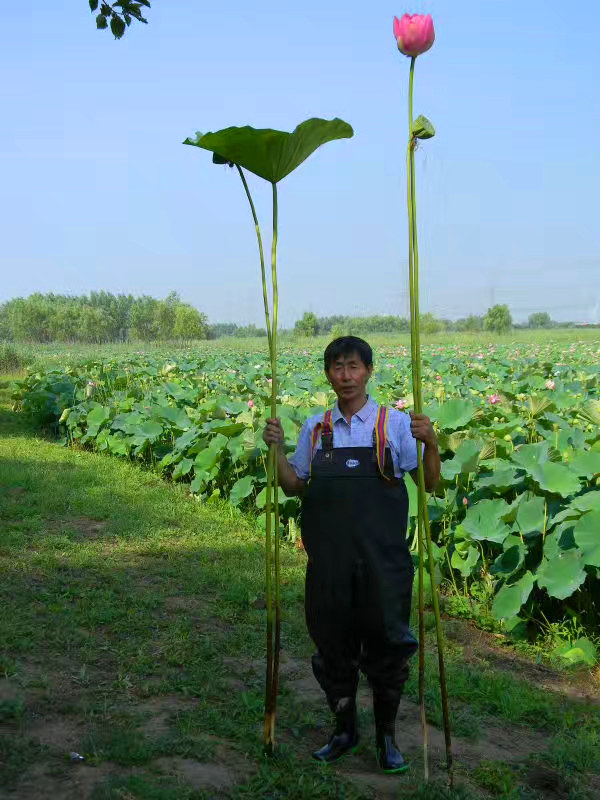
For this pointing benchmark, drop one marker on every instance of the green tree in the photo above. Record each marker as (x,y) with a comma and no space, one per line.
(338,330)
(307,326)
(498,319)
(118,16)
(471,323)
(541,319)
(190,323)
(166,312)
(144,319)
(430,324)
(64,324)
(95,325)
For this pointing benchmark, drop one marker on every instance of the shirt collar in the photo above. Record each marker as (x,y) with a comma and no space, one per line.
(363,413)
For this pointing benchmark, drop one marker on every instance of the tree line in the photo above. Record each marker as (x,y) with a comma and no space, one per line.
(100,317)
(497,319)
(104,317)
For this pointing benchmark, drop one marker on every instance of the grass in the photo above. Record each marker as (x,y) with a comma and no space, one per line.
(133,632)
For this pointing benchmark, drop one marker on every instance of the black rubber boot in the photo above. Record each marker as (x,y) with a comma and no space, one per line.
(385,707)
(344,738)
(389,757)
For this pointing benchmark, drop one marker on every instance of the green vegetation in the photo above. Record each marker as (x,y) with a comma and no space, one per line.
(133,633)
(498,319)
(519,429)
(101,317)
(118,16)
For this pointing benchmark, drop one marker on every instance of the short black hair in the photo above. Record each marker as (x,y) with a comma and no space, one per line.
(345,346)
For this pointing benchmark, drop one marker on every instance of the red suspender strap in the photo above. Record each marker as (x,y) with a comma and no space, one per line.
(381,438)
(324,431)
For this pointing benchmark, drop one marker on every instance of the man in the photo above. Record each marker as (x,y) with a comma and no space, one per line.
(348,469)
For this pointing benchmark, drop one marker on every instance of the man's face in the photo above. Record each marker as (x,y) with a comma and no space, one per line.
(348,376)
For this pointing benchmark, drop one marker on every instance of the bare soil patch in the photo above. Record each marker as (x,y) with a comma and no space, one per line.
(160,711)
(68,782)
(86,527)
(484,646)
(201,775)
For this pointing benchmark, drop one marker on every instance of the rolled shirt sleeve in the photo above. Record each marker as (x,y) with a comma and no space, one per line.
(301,459)
(402,442)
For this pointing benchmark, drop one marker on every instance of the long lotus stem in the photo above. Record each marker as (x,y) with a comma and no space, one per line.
(269,711)
(275,673)
(261,253)
(414,359)
(423,514)
(272,570)
(269,722)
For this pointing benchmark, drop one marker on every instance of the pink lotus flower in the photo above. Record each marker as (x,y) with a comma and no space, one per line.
(550,384)
(250,403)
(414,34)
(400,404)
(438,378)
(465,501)
(493,399)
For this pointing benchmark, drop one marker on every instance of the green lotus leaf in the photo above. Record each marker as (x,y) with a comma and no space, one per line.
(586,464)
(587,538)
(98,415)
(241,489)
(149,430)
(582,651)
(557,479)
(465,564)
(423,128)
(530,456)
(465,460)
(509,561)
(453,414)
(587,502)
(559,541)
(507,603)
(531,514)
(483,521)
(268,153)
(261,497)
(502,477)
(562,575)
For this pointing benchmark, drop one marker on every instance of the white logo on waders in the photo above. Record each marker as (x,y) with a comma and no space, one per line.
(352,462)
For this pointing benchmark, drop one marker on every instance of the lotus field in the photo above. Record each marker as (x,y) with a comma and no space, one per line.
(518,508)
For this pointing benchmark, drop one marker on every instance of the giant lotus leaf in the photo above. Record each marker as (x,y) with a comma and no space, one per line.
(269,153)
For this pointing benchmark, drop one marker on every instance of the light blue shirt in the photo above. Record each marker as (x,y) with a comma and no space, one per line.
(359,433)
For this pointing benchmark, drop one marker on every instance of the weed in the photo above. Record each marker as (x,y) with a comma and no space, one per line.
(495,776)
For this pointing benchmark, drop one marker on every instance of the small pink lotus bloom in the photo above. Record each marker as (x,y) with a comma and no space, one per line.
(414,34)
(550,384)
(400,404)
(438,377)
(250,403)
(465,501)
(493,399)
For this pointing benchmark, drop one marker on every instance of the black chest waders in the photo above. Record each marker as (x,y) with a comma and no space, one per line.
(359,576)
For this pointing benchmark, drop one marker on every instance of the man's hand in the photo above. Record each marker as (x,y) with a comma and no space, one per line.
(292,485)
(422,429)
(273,432)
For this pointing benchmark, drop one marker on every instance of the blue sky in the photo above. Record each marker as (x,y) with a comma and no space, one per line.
(98,191)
